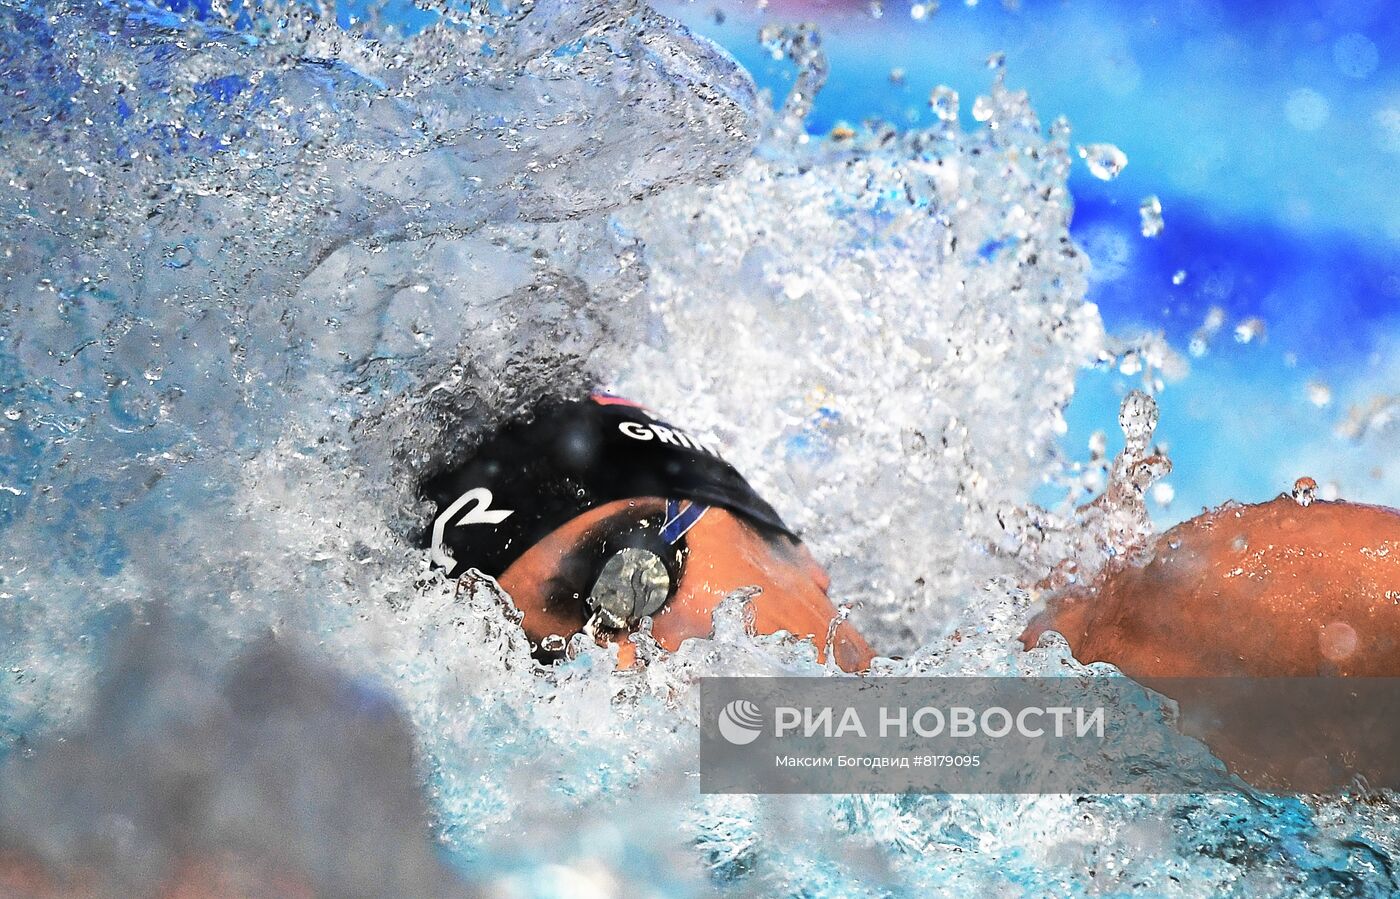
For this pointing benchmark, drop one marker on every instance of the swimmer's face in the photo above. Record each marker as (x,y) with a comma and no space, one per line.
(723,554)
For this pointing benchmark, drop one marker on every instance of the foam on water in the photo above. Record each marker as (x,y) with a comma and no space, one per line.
(262,273)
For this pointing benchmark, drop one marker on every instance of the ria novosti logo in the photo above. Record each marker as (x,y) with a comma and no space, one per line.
(740,722)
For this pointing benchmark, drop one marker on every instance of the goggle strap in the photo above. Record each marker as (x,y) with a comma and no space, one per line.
(681,516)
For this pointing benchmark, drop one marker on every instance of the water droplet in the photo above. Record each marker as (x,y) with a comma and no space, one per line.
(982,108)
(1319,394)
(1105,161)
(802,45)
(943,100)
(1200,340)
(1307,110)
(13,414)
(1174,543)
(1355,55)
(996,60)
(896,75)
(1247,330)
(153,374)
(1163,494)
(1138,419)
(1337,640)
(1387,122)
(1304,491)
(842,132)
(1150,211)
(920,11)
(1179,277)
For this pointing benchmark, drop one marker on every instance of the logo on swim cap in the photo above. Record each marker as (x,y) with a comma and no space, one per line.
(740,722)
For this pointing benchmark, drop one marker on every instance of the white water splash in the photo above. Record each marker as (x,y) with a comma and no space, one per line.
(263,275)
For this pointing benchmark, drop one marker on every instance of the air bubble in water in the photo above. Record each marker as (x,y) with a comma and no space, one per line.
(943,100)
(13,414)
(1304,491)
(1150,211)
(1105,161)
(1179,277)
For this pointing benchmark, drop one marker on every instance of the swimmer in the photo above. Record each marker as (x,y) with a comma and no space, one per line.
(1282,589)
(1276,589)
(594,514)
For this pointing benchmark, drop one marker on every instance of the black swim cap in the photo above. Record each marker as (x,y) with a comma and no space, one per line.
(536,474)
